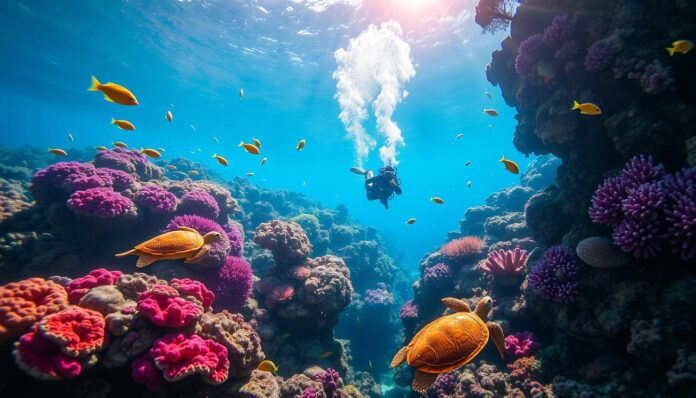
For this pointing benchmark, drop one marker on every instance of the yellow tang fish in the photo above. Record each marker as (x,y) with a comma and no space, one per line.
(468,184)
(171,167)
(410,221)
(257,142)
(57,152)
(169,116)
(437,200)
(681,47)
(220,159)
(119,144)
(468,162)
(263,161)
(71,138)
(101,148)
(250,148)
(193,173)
(300,144)
(490,112)
(511,166)
(113,92)
(250,174)
(587,108)
(267,366)
(123,124)
(152,153)
(326,354)
(460,135)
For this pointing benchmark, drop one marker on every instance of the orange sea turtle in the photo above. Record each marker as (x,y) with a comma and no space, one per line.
(184,242)
(449,342)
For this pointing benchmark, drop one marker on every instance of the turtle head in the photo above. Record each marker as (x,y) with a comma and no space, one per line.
(483,308)
(212,237)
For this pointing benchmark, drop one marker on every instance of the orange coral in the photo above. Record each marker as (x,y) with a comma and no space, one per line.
(78,331)
(463,249)
(24,302)
(525,368)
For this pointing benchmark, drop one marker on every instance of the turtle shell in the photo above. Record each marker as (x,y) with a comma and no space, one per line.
(172,243)
(447,343)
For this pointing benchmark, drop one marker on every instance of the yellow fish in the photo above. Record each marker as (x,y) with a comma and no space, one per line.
(460,135)
(587,108)
(71,138)
(171,167)
(326,354)
(101,148)
(220,159)
(161,149)
(300,145)
(169,116)
(250,174)
(120,144)
(113,92)
(263,161)
(152,153)
(250,148)
(267,366)
(468,184)
(123,124)
(490,112)
(257,142)
(511,166)
(437,200)
(57,152)
(468,162)
(410,221)
(193,173)
(681,47)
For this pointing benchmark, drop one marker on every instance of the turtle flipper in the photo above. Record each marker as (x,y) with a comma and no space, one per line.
(422,381)
(145,259)
(456,304)
(200,255)
(496,333)
(128,253)
(399,358)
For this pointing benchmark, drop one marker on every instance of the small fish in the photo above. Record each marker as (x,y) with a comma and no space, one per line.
(241,93)
(487,94)
(220,159)
(71,138)
(151,153)
(468,162)
(587,108)
(369,362)
(285,336)
(326,354)
(681,47)
(300,144)
(250,174)
(101,148)
(490,126)
(257,142)
(123,124)
(250,148)
(215,140)
(161,149)
(263,161)
(192,127)
(171,167)
(490,112)
(169,116)
(267,366)
(120,144)
(113,92)
(57,152)
(199,150)
(437,200)
(410,221)
(468,184)
(358,171)
(304,183)
(511,166)
(193,173)
(458,136)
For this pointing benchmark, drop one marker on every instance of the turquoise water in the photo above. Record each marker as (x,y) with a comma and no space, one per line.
(193,57)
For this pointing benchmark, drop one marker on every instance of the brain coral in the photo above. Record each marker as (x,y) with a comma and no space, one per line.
(287,241)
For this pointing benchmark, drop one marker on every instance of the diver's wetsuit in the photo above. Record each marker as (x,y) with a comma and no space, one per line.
(383,186)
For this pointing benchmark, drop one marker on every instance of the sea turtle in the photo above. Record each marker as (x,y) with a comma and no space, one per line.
(449,342)
(183,242)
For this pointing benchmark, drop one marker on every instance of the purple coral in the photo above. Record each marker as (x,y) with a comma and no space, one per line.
(129,161)
(656,77)
(156,199)
(680,213)
(561,29)
(437,276)
(63,178)
(99,202)
(409,311)
(231,284)
(555,276)
(606,202)
(641,239)
(521,344)
(444,386)
(379,297)
(331,381)
(218,251)
(120,179)
(640,170)
(529,53)
(200,203)
(236,239)
(310,393)
(599,55)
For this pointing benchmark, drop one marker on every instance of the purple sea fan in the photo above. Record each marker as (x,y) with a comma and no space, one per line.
(681,212)
(156,199)
(505,265)
(99,202)
(555,276)
(529,53)
(561,29)
(606,202)
(200,203)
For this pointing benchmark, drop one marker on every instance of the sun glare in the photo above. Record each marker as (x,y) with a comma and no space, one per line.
(416,4)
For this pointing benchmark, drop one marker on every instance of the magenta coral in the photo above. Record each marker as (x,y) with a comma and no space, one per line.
(156,199)
(195,289)
(129,161)
(49,183)
(43,359)
(180,356)
(99,202)
(555,276)
(145,372)
(331,381)
(232,283)
(505,265)
(162,305)
(200,203)
(78,287)
(521,344)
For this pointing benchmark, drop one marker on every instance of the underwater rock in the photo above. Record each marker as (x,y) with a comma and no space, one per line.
(600,252)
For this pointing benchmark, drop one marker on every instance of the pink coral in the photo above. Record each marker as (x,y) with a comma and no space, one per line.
(43,359)
(521,344)
(99,203)
(24,302)
(279,294)
(463,249)
(180,356)
(195,289)
(505,265)
(78,287)
(163,306)
(145,372)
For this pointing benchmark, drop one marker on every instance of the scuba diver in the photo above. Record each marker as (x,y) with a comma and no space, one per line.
(383,186)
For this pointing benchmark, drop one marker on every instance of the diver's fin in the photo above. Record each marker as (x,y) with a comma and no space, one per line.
(456,304)
(95,85)
(399,358)
(496,333)
(128,253)
(422,381)
(145,259)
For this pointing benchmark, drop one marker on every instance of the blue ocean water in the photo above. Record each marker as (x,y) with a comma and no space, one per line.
(193,57)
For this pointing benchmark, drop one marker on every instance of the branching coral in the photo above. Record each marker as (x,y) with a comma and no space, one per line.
(555,276)
(505,265)
(100,203)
